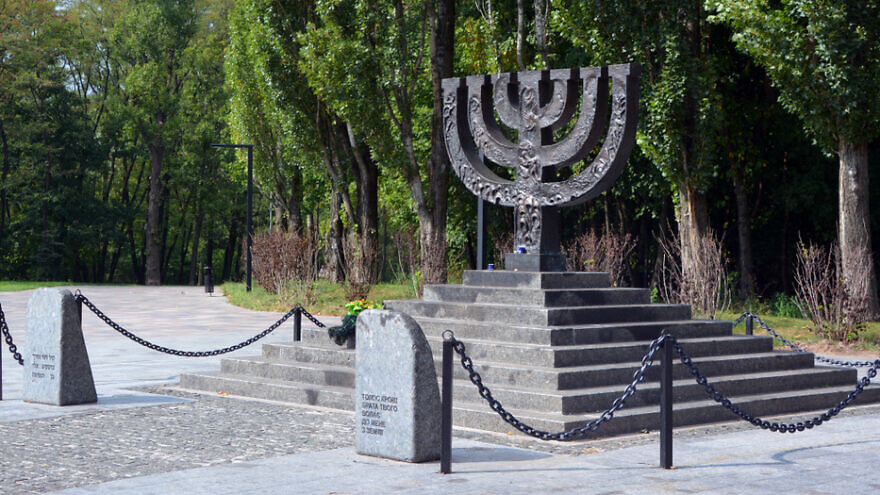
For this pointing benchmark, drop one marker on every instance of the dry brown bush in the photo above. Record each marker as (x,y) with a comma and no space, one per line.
(606,253)
(836,309)
(286,264)
(503,243)
(704,288)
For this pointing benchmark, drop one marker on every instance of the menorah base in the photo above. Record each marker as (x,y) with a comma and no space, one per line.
(543,262)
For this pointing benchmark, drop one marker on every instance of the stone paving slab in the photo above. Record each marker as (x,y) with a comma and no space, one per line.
(833,459)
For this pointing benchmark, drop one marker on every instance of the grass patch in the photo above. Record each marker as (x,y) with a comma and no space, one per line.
(800,330)
(330,297)
(16,286)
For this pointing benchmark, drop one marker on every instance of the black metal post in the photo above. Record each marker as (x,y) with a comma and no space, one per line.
(250,203)
(250,211)
(666,406)
(481,234)
(209,281)
(750,325)
(1,372)
(446,411)
(297,326)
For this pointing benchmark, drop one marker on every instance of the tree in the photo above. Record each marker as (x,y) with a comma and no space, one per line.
(679,124)
(151,39)
(824,59)
(298,132)
(367,61)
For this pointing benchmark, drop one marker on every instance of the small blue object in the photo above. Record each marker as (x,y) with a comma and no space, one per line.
(490,267)
(521,250)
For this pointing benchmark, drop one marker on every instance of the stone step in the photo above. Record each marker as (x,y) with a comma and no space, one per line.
(635,419)
(528,354)
(269,389)
(571,335)
(585,400)
(536,280)
(553,298)
(690,406)
(574,377)
(592,354)
(526,315)
(307,373)
(303,352)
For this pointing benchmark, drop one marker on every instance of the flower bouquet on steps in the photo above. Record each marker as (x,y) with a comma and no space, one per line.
(345,333)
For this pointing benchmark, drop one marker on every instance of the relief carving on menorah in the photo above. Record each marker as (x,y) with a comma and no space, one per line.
(534,104)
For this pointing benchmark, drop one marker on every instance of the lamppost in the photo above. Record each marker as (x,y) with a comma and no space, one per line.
(250,200)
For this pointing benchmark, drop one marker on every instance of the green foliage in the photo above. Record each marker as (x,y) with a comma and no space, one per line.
(783,305)
(822,56)
(355,307)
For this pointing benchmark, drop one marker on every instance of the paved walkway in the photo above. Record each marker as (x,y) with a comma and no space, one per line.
(178,317)
(145,438)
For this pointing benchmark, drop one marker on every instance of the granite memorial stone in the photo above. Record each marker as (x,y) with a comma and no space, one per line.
(397,400)
(56,364)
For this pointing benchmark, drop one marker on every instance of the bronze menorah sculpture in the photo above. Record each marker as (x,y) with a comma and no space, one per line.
(534,104)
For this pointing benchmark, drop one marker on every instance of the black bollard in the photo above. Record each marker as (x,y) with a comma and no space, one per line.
(297,325)
(750,325)
(446,411)
(666,405)
(209,281)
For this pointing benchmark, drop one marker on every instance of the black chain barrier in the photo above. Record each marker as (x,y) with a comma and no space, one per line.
(175,352)
(796,347)
(767,425)
(574,434)
(8,337)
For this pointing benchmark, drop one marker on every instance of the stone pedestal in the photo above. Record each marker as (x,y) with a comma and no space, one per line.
(534,262)
(56,364)
(397,400)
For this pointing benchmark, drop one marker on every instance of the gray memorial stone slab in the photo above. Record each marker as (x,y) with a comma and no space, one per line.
(397,400)
(56,364)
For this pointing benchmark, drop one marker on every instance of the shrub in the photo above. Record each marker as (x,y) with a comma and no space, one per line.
(783,305)
(286,264)
(836,309)
(705,287)
(606,253)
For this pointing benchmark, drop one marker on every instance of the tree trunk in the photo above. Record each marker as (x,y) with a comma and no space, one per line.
(294,204)
(693,226)
(433,238)
(367,174)
(744,238)
(335,253)
(229,251)
(541,31)
(855,224)
(520,33)
(154,218)
(197,233)
(4,173)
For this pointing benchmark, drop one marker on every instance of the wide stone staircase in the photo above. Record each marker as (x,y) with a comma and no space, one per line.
(556,349)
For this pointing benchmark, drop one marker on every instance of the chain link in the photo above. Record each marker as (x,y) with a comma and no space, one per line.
(311,318)
(796,347)
(767,425)
(8,337)
(574,434)
(84,300)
